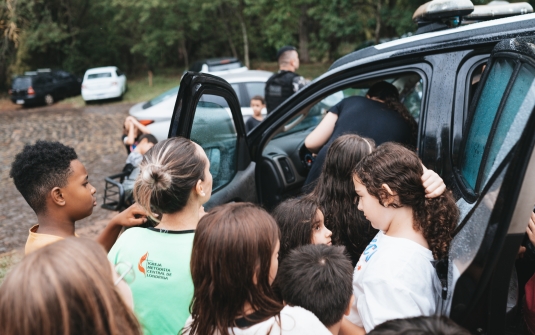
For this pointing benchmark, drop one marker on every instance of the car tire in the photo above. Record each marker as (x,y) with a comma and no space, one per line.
(49,99)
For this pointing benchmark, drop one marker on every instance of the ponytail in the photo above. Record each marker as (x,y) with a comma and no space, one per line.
(401,170)
(389,94)
(397,106)
(169,172)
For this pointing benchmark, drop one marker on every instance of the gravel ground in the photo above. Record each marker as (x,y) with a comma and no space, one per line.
(93,131)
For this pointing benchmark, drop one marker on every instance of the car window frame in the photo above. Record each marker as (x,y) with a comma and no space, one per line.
(422,67)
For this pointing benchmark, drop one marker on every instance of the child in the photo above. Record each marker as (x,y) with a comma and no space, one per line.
(72,292)
(421,325)
(394,277)
(145,142)
(56,186)
(175,181)
(233,264)
(257,105)
(318,278)
(132,130)
(300,222)
(335,193)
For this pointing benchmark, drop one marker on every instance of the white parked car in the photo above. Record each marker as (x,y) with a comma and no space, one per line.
(218,66)
(103,83)
(157,113)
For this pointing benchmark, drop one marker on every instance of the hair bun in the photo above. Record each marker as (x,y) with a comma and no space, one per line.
(156,177)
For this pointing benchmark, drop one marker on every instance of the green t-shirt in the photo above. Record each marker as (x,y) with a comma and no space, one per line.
(162,288)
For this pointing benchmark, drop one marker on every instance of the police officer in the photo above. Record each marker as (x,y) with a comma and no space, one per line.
(286,82)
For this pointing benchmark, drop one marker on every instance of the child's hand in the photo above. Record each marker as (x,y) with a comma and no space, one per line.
(433,184)
(530,230)
(130,217)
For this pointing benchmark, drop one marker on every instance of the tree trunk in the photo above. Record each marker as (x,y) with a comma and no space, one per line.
(229,35)
(378,22)
(245,40)
(303,35)
(183,51)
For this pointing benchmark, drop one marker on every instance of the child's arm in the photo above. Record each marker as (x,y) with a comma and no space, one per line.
(140,126)
(126,218)
(131,137)
(433,184)
(348,328)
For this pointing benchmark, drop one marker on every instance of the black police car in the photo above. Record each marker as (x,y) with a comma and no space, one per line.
(472,91)
(44,87)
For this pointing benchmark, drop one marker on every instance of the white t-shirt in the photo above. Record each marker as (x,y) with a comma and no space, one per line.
(293,320)
(393,279)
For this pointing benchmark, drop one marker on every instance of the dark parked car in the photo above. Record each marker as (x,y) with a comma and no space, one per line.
(44,86)
(472,91)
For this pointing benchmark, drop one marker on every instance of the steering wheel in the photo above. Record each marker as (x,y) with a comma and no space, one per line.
(307,159)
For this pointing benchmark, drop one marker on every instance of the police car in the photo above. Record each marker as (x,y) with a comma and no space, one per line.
(471,88)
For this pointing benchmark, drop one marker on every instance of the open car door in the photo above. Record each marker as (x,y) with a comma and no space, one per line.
(207,111)
(496,180)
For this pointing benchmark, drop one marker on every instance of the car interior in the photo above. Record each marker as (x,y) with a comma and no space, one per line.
(285,159)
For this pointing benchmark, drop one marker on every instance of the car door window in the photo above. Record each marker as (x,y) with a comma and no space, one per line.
(497,121)
(213,129)
(241,98)
(255,89)
(514,116)
(409,85)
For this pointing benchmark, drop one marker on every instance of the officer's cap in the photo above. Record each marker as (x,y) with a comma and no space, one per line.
(284,49)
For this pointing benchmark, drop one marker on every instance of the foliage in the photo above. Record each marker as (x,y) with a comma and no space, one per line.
(153,34)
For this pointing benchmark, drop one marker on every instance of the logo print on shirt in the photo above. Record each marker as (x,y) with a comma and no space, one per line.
(140,264)
(153,269)
(368,253)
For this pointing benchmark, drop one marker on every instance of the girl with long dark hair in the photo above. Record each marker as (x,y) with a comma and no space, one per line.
(335,194)
(394,277)
(301,222)
(233,265)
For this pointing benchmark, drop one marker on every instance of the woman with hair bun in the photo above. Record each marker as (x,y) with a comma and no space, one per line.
(67,288)
(394,278)
(174,182)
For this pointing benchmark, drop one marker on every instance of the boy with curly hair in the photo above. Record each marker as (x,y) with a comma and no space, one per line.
(56,186)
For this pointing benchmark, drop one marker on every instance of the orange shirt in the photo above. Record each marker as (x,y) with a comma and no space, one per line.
(36,240)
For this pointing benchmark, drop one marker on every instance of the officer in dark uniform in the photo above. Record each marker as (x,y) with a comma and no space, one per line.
(286,82)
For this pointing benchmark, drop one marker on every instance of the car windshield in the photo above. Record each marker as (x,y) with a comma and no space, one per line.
(225,67)
(164,96)
(99,75)
(22,83)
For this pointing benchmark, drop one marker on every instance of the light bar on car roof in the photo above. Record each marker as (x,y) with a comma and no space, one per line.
(499,9)
(442,9)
